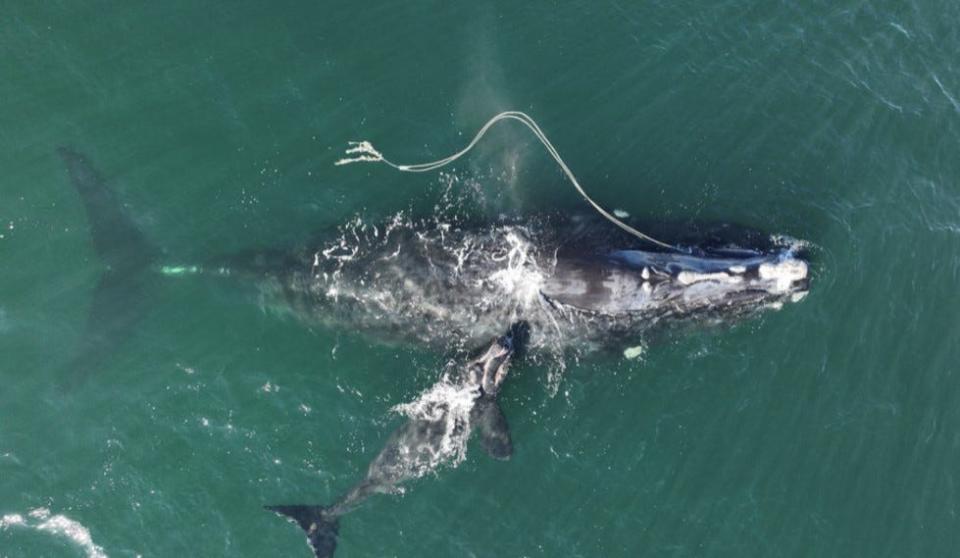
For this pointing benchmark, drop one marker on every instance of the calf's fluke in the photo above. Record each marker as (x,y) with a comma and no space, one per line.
(321,531)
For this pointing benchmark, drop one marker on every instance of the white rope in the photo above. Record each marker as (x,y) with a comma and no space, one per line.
(363,151)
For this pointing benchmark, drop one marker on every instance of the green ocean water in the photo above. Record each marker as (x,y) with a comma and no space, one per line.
(829,428)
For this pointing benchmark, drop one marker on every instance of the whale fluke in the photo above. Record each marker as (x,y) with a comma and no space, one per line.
(321,532)
(125,253)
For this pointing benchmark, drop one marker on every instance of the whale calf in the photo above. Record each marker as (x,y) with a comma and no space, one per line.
(438,431)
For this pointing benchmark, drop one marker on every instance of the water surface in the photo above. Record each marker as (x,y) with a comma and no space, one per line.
(829,428)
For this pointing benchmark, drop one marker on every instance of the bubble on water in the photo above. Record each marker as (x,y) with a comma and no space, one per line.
(521,278)
(269,388)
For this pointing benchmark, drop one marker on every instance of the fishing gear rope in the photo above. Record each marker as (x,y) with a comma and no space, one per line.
(363,151)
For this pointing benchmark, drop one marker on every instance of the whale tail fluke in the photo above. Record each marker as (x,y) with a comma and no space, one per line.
(125,254)
(321,531)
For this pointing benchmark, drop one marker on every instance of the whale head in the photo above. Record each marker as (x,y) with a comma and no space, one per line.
(489,370)
(656,284)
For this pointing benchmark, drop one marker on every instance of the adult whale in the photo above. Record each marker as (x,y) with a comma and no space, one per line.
(434,436)
(581,283)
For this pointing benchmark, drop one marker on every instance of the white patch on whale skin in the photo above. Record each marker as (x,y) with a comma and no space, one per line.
(691,277)
(40,519)
(783,273)
(620,214)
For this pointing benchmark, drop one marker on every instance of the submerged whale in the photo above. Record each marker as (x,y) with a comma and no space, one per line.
(439,429)
(582,284)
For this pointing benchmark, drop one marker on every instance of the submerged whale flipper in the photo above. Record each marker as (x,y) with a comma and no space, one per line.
(493,428)
(321,532)
(125,253)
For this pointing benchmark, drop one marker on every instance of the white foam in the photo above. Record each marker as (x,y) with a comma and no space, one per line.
(269,388)
(901,29)
(451,403)
(12,519)
(40,519)
(790,243)
(520,278)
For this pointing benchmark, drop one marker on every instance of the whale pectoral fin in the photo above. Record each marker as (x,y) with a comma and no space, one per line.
(494,430)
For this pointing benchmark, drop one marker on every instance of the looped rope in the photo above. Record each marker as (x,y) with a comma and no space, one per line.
(363,151)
